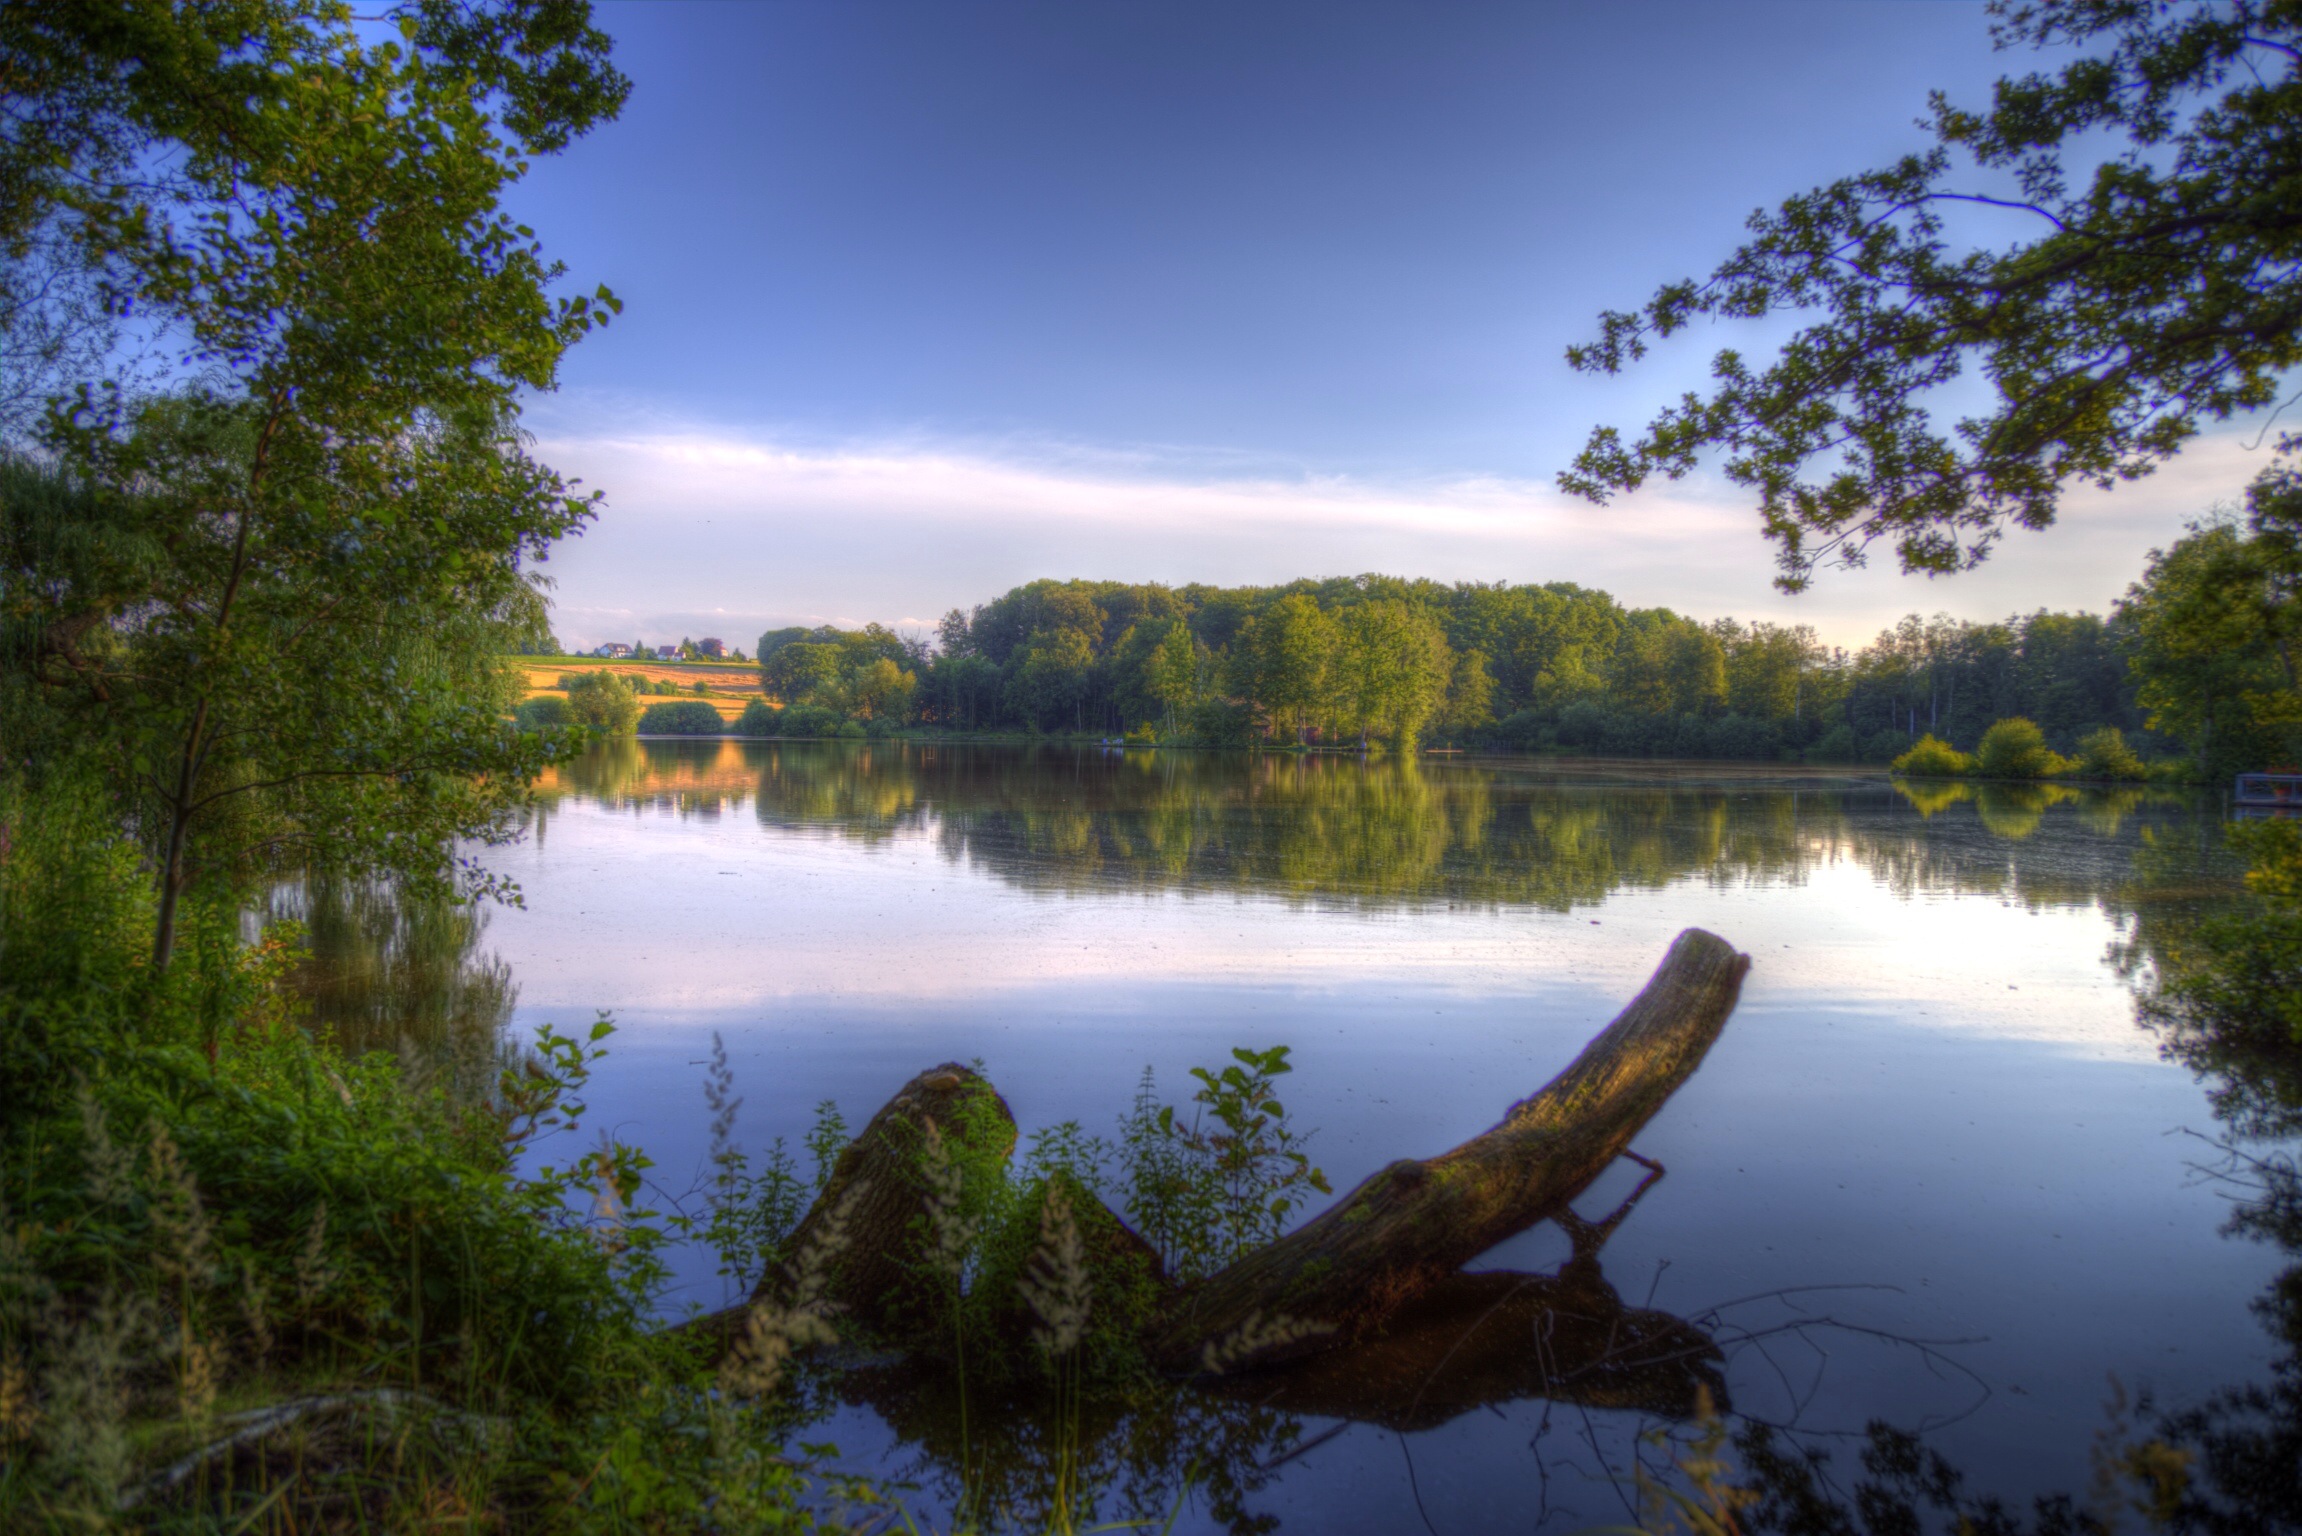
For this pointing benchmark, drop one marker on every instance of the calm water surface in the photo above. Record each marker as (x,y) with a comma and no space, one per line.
(1932,1173)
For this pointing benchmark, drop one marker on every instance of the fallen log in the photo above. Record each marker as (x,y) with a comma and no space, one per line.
(1346,1274)
(1340,1276)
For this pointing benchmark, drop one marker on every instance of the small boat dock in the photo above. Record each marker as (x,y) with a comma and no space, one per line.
(2267,794)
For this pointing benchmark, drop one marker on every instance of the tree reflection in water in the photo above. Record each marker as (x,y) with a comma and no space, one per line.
(1386,832)
(1391,833)
(386,971)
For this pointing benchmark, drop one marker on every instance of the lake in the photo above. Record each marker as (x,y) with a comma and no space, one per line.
(1933,1173)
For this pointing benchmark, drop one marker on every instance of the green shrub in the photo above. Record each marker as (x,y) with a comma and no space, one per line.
(759,718)
(2016,749)
(685,717)
(2104,754)
(1839,744)
(543,711)
(849,730)
(604,701)
(209,1209)
(810,720)
(1933,759)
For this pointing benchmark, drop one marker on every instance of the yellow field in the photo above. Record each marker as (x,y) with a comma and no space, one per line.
(732,686)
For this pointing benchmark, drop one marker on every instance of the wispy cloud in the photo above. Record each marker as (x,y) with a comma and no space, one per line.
(725,532)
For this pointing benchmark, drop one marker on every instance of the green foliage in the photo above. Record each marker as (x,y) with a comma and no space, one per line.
(806,720)
(544,712)
(751,1213)
(759,718)
(2104,754)
(1932,759)
(687,717)
(332,519)
(1514,667)
(2160,247)
(604,702)
(2217,620)
(826,1139)
(1204,1191)
(208,1209)
(2017,749)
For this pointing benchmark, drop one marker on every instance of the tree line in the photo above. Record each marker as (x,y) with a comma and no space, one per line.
(2196,658)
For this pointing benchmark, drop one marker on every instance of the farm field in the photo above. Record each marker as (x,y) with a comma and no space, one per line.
(733,683)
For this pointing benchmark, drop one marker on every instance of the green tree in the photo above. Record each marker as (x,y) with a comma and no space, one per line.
(2214,622)
(1470,694)
(604,701)
(334,519)
(1172,674)
(2160,290)
(1390,670)
(1049,685)
(883,691)
(1282,657)
(793,672)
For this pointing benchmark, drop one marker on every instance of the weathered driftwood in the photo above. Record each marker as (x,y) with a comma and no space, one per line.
(878,1193)
(878,1271)
(1383,1259)
(1414,1223)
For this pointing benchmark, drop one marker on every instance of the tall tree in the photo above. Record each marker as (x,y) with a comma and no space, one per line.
(1283,655)
(1390,671)
(2217,624)
(340,510)
(2161,290)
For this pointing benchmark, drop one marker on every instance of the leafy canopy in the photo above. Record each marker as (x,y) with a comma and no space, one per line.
(2160,291)
(273,599)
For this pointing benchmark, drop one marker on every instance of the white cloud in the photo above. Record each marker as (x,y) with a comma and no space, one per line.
(726,533)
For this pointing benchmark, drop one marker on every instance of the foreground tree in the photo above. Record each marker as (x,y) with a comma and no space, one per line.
(2161,292)
(272,598)
(2217,627)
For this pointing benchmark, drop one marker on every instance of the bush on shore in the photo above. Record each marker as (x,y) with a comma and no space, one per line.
(683,717)
(2016,749)
(543,712)
(2104,754)
(1934,759)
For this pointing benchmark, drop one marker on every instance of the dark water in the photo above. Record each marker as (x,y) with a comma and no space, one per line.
(1932,1174)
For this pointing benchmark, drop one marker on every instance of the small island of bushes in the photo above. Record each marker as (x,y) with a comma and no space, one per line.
(2017,749)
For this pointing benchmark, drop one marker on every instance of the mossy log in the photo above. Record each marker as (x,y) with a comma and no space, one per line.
(876,1197)
(1348,1273)
(1413,1224)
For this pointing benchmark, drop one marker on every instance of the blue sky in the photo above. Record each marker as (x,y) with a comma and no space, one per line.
(928,299)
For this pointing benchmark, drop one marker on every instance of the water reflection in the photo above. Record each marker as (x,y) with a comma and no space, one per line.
(1335,834)
(384,971)
(1390,832)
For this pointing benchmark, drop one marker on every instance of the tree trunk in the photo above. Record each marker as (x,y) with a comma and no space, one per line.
(1389,1249)
(1414,1223)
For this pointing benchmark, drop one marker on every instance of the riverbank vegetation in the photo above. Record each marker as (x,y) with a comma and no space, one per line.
(258,1277)
(2180,667)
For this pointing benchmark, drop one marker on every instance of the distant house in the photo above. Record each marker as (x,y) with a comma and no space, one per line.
(613,649)
(712,646)
(667,653)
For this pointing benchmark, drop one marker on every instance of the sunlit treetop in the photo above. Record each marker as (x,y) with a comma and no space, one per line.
(2161,290)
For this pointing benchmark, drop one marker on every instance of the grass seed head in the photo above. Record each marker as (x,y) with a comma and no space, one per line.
(1055,1284)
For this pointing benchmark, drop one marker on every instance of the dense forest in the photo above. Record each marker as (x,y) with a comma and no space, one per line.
(1384,659)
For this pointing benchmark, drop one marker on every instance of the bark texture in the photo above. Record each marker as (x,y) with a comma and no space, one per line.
(1375,1279)
(878,1195)
(1339,1277)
